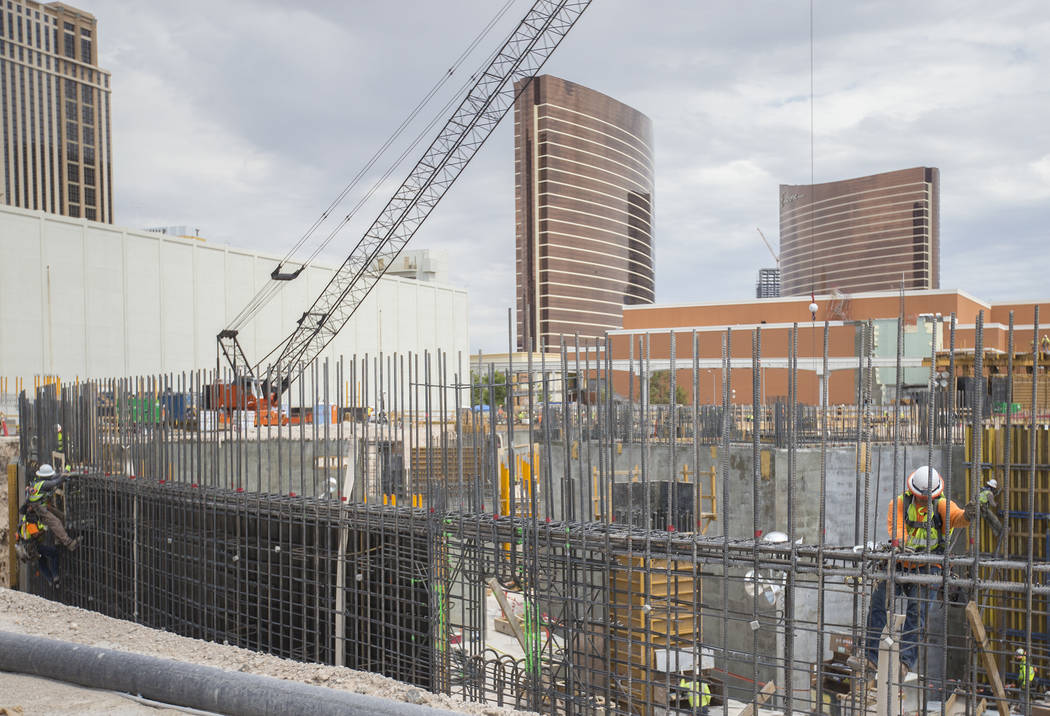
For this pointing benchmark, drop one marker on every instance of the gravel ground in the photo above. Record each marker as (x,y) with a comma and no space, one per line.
(28,614)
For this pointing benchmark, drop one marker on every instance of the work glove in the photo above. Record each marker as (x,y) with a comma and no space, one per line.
(971,510)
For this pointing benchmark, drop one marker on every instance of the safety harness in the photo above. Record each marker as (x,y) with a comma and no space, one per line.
(917,529)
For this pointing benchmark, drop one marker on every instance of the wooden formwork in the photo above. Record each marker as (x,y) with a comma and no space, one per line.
(653,613)
(1008,458)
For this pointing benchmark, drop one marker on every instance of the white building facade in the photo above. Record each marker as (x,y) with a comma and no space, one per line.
(92,300)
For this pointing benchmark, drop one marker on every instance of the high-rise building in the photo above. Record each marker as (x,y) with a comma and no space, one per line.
(54,112)
(583,166)
(768,284)
(866,234)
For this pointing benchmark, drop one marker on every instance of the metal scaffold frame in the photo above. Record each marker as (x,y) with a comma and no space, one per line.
(597,555)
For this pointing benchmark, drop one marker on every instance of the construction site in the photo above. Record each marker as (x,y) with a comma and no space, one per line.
(584,560)
(622,525)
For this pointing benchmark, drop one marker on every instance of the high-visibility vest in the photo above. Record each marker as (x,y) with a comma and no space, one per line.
(1025,673)
(59,441)
(699,693)
(925,530)
(36,492)
(29,529)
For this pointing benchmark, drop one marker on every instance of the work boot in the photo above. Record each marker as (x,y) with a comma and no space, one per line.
(73,544)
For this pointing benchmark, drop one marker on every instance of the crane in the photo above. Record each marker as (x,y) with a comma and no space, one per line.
(768,246)
(488,100)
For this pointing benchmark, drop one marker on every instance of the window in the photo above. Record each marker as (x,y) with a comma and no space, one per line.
(71,109)
(89,135)
(86,95)
(89,196)
(69,49)
(89,214)
(84,32)
(71,131)
(89,155)
(74,193)
(89,177)
(71,90)
(85,50)
(74,211)
(73,152)
(87,115)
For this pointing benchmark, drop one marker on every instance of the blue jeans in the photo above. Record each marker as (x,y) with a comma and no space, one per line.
(914,619)
(48,561)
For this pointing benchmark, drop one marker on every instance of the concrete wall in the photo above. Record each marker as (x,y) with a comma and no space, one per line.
(739,517)
(80,298)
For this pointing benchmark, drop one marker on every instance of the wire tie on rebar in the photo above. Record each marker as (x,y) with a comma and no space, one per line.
(291,494)
(161,482)
(193,485)
(240,489)
(670,528)
(343,498)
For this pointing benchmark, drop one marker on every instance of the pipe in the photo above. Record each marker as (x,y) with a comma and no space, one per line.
(190,685)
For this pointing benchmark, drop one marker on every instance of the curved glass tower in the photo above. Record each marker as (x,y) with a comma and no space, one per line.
(584,200)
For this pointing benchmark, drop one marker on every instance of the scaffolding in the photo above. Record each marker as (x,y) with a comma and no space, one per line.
(599,559)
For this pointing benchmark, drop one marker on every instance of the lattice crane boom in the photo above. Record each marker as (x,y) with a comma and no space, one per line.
(492,95)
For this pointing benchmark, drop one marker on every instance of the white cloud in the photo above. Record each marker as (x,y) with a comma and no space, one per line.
(246,118)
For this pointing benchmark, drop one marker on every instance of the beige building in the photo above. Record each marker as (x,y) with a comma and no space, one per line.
(54,112)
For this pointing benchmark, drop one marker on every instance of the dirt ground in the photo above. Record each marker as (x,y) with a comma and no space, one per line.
(28,614)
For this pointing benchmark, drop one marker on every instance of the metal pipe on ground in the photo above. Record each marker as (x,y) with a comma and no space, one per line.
(189,685)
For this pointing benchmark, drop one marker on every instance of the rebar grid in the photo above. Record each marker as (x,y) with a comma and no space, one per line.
(371,521)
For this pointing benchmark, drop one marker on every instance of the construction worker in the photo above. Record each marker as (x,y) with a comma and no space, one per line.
(698,693)
(59,442)
(38,501)
(31,544)
(913,527)
(1025,677)
(986,500)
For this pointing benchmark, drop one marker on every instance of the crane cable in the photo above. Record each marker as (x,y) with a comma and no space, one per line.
(273,287)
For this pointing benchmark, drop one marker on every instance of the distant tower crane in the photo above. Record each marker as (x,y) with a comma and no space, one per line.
(769,246)
(488,100)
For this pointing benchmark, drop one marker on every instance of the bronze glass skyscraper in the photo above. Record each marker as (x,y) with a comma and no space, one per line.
(863,234)
(583,194)
(54,112)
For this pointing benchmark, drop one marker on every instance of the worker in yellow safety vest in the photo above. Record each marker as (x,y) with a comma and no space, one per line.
(698,693)
(1025,676)
(913,527)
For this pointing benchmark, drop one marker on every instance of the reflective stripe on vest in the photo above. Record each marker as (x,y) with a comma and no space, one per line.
(36,491)
(30,529)
(699,693)
(921,523)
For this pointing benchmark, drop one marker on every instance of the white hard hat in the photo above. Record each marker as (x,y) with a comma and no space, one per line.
(925,481)
(1019,652)
(58,427)
(993,483)
(45,470)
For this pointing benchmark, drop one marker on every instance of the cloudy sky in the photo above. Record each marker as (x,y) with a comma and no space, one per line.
(245,118)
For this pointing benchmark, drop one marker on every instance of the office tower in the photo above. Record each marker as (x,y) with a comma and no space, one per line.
(583,166)
(768,284)
(864,234)
(54,112)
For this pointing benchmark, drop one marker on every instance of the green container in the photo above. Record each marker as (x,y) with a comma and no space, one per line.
(144,410)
